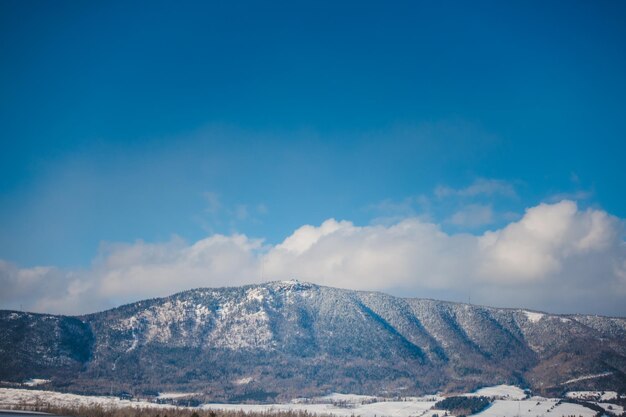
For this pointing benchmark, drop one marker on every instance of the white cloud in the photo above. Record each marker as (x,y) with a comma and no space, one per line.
(157,269)
(540,245)
(556,258)
(306,236)
(35,289)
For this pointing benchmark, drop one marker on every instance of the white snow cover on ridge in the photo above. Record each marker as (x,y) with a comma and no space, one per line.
(500,392)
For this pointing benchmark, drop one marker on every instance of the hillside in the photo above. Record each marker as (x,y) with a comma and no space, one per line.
(287,339)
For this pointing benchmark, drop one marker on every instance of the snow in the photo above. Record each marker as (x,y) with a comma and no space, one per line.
(134,344)
(609,395)
(583,378)
(174,395)
(12,397)
(500,391)
(242,325)
(568,409)
(532,408)
(202,312)
(347,398)
(336,404)
(592,395)
(377,409)
(33,382)
(255,294)
(533,316)
(244,381)
(612,408)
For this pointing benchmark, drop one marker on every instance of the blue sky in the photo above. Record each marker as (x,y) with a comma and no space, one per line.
(126,122)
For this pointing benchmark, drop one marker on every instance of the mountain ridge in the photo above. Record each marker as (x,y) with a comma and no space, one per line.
(307,283)
(289,338)
(531,310)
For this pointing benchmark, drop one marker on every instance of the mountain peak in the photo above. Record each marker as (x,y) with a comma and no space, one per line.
(291,285)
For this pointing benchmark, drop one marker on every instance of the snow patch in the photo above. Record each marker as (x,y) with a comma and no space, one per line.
(592,395)
(586,377)
(244,381)
(174,395)
(33,382)
(533,316)
(134,344)
(500,391)
(255,294)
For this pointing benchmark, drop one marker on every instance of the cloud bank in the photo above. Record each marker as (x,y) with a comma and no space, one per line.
(557,258)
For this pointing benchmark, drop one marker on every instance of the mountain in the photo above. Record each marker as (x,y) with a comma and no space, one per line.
(286,339)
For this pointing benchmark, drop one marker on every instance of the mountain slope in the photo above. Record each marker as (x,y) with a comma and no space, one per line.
(51,345)
(289,338)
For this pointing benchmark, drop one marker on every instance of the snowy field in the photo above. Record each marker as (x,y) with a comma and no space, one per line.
(535,408)
(500,392)
(509,403)
(612,408)
(12,397)
(175,395)
(347,398)
(387,408)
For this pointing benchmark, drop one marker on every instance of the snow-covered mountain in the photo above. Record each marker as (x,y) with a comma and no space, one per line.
(285,339)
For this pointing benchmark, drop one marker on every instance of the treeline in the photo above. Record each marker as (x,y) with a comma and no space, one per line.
(463,406)
(99,411)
